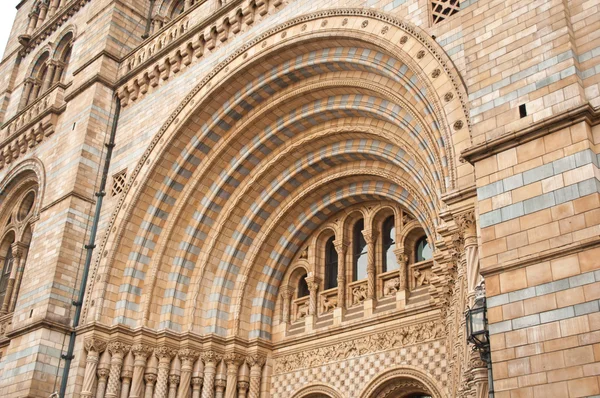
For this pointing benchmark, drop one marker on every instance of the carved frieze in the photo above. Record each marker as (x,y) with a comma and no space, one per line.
(352,348)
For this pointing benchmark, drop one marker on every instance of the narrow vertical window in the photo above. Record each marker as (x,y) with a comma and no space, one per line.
(390,262)
(331,264)
(303,287)
(6,270)
(423,250)
(360,251)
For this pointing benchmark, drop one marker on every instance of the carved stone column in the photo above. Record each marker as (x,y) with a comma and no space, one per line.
(33,18)
(256,363)
(243,380)
(150,376)
(43,13)
(103,372)
(60,67)
(221,380)
(48,79)
(53,7)
(140,356)
(370,238)
(287,292)
(117,352)
(27,88)
(210,359)
(402,268)
(126,375)
(93,347)
(313,288)
(173,384)
(19,253)
(466,224)
(197,378)
(233,362)
(10,284)
(36,90)
(341,248)
(188,357)
(164,355)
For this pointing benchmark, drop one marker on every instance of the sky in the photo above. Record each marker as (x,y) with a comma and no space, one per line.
(7,16)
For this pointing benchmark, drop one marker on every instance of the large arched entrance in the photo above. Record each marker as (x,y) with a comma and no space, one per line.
(402,382)
(325,111)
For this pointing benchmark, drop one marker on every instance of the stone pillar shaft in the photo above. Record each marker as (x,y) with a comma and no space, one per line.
(370,238)
(341,249)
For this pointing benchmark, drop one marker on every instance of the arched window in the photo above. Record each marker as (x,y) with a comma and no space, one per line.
(176,8)
(331,264)
(390,262)
(302,287)
(423,250)
(6,270)
(359,251)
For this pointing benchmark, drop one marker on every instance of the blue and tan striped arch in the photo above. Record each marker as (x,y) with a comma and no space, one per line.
(305,120)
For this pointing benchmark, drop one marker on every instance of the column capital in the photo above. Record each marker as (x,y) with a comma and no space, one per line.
(313,282)
(341,246)
(233,358)
(18,249)
(286,292)
(211,357)
(256,360)
(400,255)
(141,350)
(370,236)
(466,223)
(188,355)
(164,353)
(118,348)
(93,344)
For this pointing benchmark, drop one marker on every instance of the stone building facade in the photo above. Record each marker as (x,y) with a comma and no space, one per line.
(298,198)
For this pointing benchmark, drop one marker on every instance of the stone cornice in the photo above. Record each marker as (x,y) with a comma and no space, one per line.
(540,257)
(544,127)
(65,197)
(167,335)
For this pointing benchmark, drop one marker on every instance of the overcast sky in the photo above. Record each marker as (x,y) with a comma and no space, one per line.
(7,15)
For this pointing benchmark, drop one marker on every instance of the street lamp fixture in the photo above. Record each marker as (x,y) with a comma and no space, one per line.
(478,334)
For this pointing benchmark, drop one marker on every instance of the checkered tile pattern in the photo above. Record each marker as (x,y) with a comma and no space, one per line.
(351,376)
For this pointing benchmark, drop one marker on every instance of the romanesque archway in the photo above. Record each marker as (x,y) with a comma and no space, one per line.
(402,382)
(324,111)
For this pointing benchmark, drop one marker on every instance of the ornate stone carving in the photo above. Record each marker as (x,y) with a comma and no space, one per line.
(374,343)
(391,287)
(359,294)
(422,277)
(328,304)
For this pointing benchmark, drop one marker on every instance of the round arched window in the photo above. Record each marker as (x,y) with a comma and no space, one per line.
(331,264)
(360,251)
(26,206)
(423,250)
(390,262)
(302,287)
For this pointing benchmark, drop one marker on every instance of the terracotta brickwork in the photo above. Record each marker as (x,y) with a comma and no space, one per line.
(301,197)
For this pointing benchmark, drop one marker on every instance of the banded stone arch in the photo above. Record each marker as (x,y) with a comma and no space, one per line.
(238,177)
(317,391)
(402,382)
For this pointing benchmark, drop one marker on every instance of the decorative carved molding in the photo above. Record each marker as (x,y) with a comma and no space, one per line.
(384,341)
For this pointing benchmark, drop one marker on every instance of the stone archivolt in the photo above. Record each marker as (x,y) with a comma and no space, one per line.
(364,345)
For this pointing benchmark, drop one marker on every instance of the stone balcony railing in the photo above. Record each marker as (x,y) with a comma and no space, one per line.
(31,125)
(420,274)
(358,292)
(390,282)
(300,308)
(328,300)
